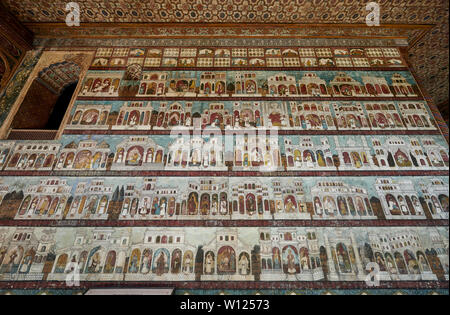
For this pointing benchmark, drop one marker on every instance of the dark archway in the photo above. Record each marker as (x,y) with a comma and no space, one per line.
(46,102)
(61,106)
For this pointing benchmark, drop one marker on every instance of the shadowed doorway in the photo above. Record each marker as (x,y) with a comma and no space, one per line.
(41,113)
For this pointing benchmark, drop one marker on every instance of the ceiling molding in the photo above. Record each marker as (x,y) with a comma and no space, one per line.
(411,32)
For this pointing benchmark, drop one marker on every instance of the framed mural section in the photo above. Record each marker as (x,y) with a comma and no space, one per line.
(261,169)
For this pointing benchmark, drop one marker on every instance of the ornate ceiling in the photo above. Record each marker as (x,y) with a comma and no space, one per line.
(428,53)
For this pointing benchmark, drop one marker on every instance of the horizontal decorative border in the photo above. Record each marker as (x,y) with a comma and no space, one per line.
(244,131)
(243,98)
(224,223)
(287,58)
(263,292)
(249,68)
(223,173)
(64,42)
(230,30)
(341,285)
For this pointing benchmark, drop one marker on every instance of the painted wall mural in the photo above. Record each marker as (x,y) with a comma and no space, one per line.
(223,198)
(135,82)
(215,254)
(251,164)
(229,152)
(282,115)
(252,56)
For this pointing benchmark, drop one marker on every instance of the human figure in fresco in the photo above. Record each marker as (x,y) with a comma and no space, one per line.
(246,160)
(318,206)
(149,156)
(187,263)
(195,159)
(436,204)
(380,262)
(133,120)
(250,87)
(309,160)
(330,205)
(390,265)
(403,205)
(144,208)
(304,261)
(435,159)
(344,264)
(251,204)
(214,208)
(28,260)
(324,123)
(401,158)
(243,265)
(156,207)
(298,161)
(186,269)
(206,160)
(225,262)
(188,121)
(146,262)
(192,204)
(160,264)
(94,263)
(163,208)
(279,206)
(400,264)
(351,122)
(417,205)
(356,160)
(390,121)
(291,262)
(220,88)
(92,206)
(223,206)
(209,264)
(22,162)
(342,206)
(444,202)
(247,122)
(290,206)
(176,262)
(134,264)
(134,157)
(321,159)
(76,118)
(392,204)
(257,158)
(283,121)
(276,258)
(204,205)
(3,156)
(258,121)
(423,262)
(39,161)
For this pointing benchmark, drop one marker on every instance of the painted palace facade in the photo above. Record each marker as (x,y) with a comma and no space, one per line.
(211,164)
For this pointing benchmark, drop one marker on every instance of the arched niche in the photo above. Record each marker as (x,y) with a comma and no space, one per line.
(42,106)
(47,99)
